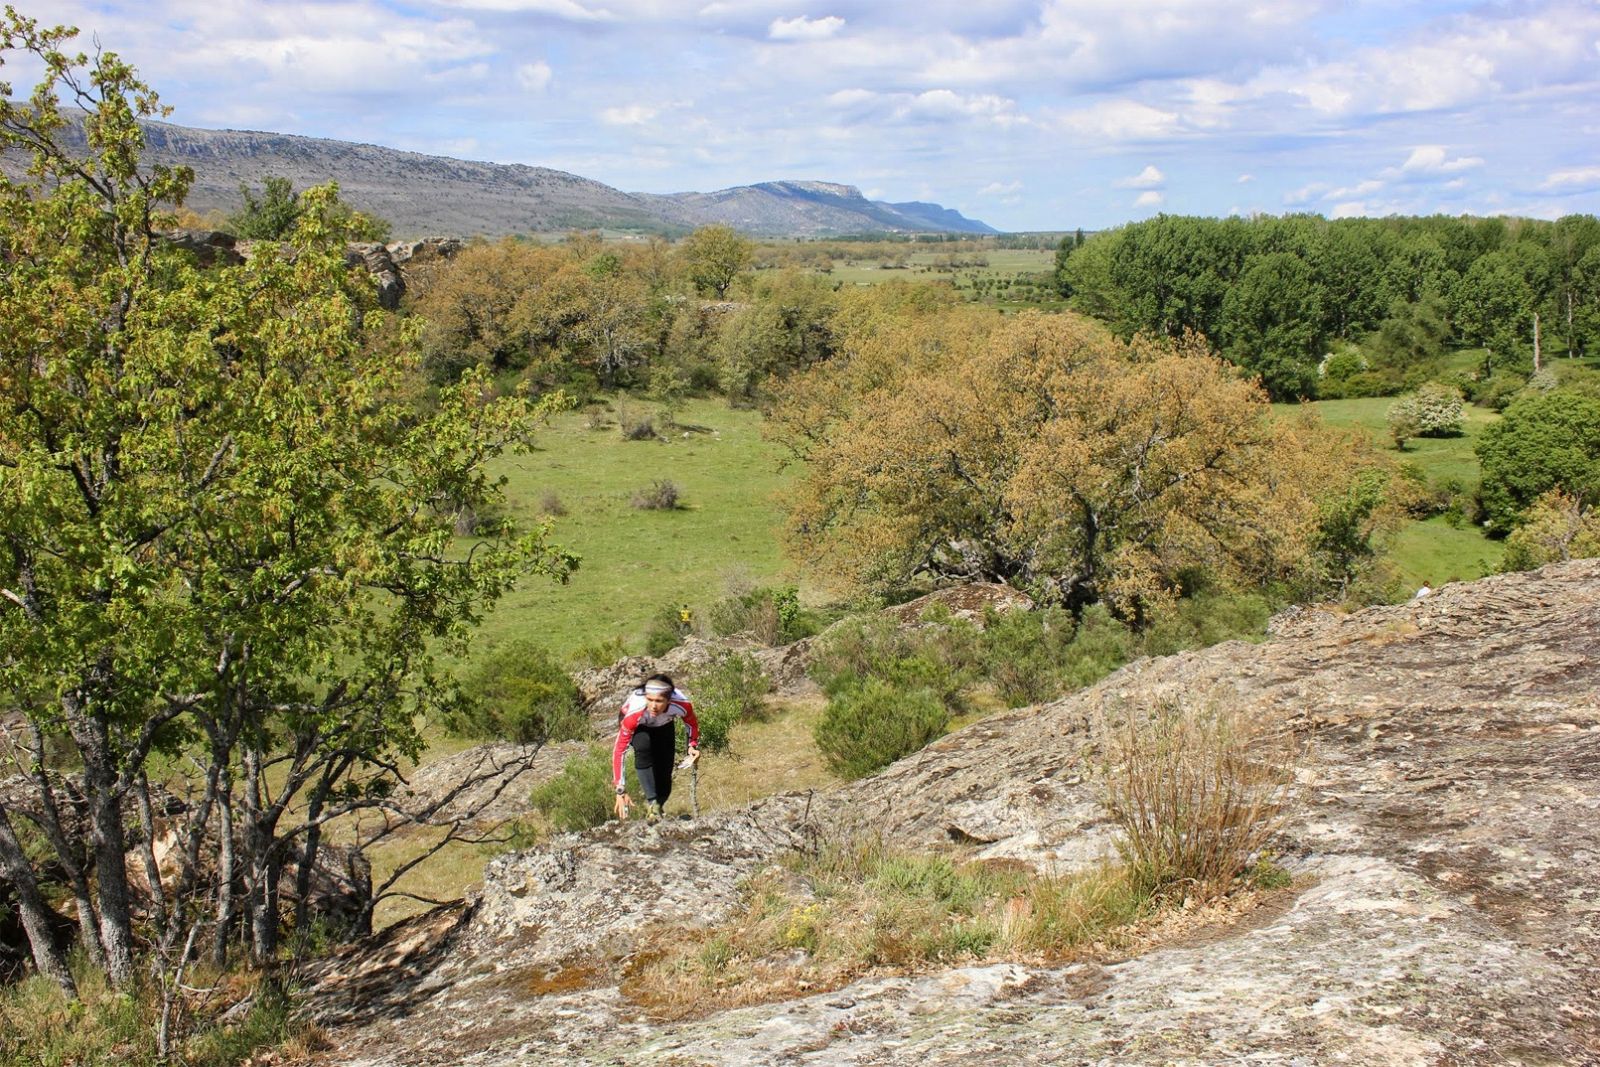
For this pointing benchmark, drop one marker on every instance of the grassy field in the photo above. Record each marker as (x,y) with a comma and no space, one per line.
(1432,550)
(1004,262)
(637,561)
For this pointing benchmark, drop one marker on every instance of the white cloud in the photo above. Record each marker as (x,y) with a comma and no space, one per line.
(1305,193)
(1000,189)
(631,115)
(565,9)
(805,29)
(1573,179)
(1244,179)
(851,97)
(1365,188)
(1151,198)
(1149,178)
(1431,159)
(1120,120)
(535,77)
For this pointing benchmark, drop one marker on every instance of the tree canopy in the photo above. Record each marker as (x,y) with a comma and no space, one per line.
(1047,453)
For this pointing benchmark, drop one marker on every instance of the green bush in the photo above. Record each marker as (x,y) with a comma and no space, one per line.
(772,615)
(519,693)
(582,795)
(1025,653)
(941,657)
(667,629)
(1101,645)
(1204,619)
(728,692)
(1544,442)
(874,724)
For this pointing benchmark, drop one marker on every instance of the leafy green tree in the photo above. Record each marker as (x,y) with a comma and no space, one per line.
(1493,307)
(1541,443)
(220,536)
(272,217)
(715,256)
(1271,323)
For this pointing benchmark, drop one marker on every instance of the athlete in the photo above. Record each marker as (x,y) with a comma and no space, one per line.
(645,722)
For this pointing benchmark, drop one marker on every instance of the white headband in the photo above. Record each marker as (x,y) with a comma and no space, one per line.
(657,687)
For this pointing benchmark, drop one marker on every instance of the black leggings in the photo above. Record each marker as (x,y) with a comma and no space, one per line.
(653,750)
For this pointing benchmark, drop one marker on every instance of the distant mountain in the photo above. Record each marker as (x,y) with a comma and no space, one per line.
(812,209)
(422,194)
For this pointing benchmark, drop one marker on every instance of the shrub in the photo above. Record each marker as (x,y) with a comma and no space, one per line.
(729,691)
(637,427)
(667,629)
(1025,653)
(519,693)
(1204,619)
(582,795)
(1197,792)
(550,504)
(938,657)
(871,725)
(659,495)
(772,616)
(1557,527)
(600,652)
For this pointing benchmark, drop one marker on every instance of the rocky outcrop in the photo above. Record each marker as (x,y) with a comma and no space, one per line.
(388,264)
(1444,911)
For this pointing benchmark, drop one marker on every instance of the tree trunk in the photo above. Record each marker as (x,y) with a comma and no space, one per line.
(92,735)
(1536,342)
(227,866)
(71,855)
(47,957)
(261,865)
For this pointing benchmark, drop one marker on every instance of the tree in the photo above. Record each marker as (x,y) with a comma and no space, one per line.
(1542,442)
(222,539)
(272,218)
(715,255)
(1271,324)
(1043,452)
(1493,306)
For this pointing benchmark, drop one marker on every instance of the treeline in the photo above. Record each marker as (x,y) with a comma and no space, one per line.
(665,319)
(1386,297)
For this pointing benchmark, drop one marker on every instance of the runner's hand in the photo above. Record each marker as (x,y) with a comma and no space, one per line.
(621,807)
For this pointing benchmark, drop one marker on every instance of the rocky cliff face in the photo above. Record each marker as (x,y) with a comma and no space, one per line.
(423,194)
(1445,908)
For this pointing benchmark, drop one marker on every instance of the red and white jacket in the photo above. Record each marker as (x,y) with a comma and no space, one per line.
(636,716)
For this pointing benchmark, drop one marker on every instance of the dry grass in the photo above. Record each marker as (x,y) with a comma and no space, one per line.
(1197,790)
(823,920)
(781,739)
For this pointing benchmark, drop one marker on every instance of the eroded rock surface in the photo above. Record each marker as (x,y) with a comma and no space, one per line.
(1447,908)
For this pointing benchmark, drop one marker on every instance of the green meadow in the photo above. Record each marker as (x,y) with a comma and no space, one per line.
(638,561)
(1430,550)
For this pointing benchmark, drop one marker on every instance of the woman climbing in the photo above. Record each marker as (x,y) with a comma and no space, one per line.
(646,722)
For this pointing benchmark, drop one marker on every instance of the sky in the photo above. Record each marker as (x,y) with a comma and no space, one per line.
(1034,115)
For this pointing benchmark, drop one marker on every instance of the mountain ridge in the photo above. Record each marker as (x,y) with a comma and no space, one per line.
(422,194)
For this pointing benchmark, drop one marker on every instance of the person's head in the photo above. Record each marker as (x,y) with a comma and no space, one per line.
(657,691)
